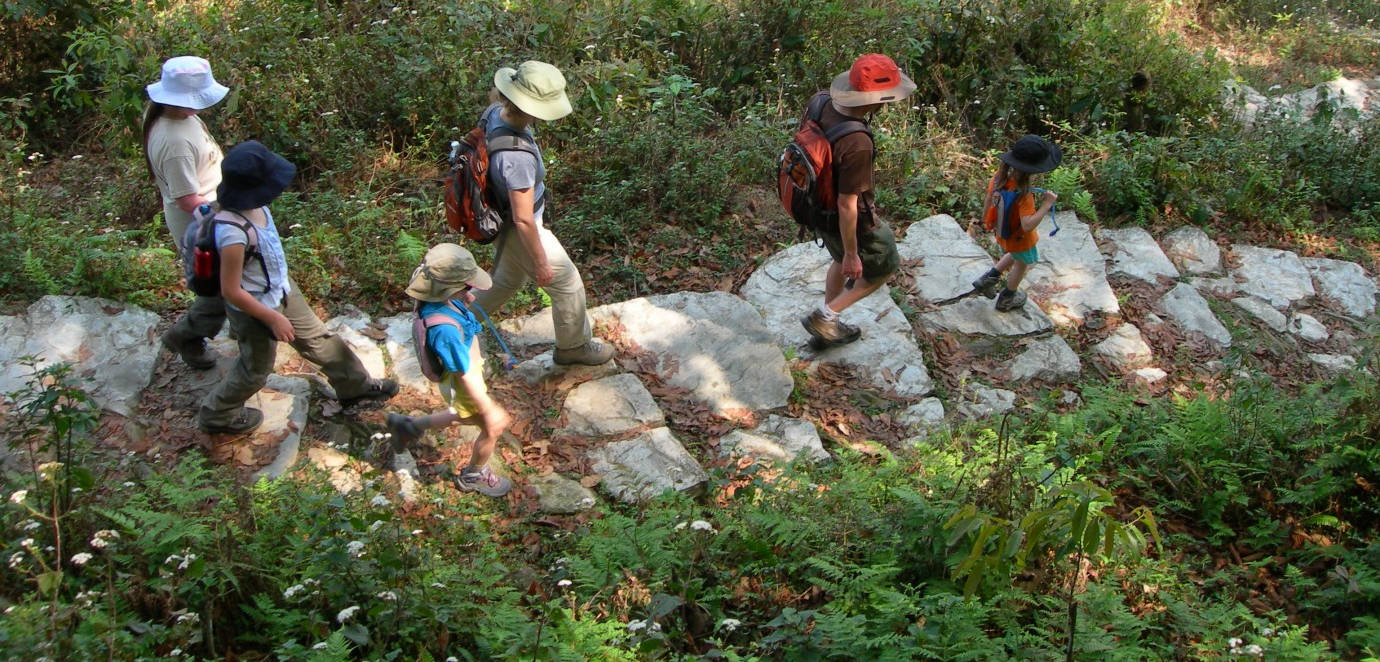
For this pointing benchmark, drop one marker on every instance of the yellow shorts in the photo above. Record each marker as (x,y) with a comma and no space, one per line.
(453,392)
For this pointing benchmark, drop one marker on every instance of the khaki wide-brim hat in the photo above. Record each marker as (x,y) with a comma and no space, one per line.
(873,78)
(446,270)
(537,88)
(187,83)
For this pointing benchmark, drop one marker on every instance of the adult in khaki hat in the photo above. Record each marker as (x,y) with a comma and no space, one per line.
(184,162)
(443,285)
(861,245)
(525,249)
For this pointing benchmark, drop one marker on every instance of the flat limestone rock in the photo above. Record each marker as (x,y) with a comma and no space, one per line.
(1125,349)
(1218,287)
(337,465)
(1277,277)
(778,438)
(1192,251)
(543,367)
(1134,252)
(643,467)
(1190,312)
(714,344)
(1333,363)
(985,402)
(1263,312)
(924,414)
(1308,327)
(1070,280)
(1344,282)
(790,284)
(559,495)
(610,406)
(952,260)
(403,355)
(284,402)
(1148,376)
(112,347)
(1048,359)
(978,316)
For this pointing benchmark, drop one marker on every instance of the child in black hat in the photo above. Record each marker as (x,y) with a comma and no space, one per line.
(263,304)
(1010,211)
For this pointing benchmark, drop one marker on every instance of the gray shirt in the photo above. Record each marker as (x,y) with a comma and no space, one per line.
(516,169)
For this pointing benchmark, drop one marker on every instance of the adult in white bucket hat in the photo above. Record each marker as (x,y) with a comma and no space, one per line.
(184,162)
(525,250)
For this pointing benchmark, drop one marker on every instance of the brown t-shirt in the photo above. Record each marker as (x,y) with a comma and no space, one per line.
(852,163)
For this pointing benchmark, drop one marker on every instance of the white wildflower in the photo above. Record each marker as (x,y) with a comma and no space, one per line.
(347,613)
(416,532)
(172,558)
(1234,642)
(319,646)
(355,547)
(292,591)
(701,525)
(387,596)
(81,559)
(28,543)
(563,583)
(19,497)
(186,562)
(104,537)
(175,652)
(730,624)
(1253,649)
(636,626)
(1267,632)
(379,501)
(49,470)
(452,659)
(29,525)
(378,523)
(437,585)
(15,559)
(190,617)
(76,157)
(682,525)
(128,483)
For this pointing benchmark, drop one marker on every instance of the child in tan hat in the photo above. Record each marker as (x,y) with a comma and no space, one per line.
(443,285)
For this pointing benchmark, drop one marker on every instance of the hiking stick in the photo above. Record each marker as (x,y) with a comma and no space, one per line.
(507,352)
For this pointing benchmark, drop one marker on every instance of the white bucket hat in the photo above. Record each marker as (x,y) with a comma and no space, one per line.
(535,87)
(187,83)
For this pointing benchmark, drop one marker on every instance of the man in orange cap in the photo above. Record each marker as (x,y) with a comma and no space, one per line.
(863,248)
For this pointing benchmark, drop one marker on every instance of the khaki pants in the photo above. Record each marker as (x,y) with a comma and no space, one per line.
(512,270)
(203,319)
(257,352)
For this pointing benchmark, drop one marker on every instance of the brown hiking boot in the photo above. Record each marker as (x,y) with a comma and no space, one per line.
(594,352)
(829,333)
(247,419)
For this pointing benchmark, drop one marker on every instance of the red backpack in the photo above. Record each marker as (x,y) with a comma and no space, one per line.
(472,208)
(805,170)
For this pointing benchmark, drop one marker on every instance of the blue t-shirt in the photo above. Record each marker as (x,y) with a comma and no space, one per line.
(516,169)
(451,345)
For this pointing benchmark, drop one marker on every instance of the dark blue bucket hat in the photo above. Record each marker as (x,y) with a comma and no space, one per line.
(1032,154)
(251,176)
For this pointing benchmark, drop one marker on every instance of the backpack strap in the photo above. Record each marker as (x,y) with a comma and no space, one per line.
(815,110)
(252,249)
(504,139)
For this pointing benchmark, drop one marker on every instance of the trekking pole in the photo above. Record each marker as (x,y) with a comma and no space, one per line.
(1053,209)
(506,352)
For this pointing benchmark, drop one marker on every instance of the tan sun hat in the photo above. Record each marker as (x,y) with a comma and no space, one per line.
(535,87)
(446,270)
(873,78)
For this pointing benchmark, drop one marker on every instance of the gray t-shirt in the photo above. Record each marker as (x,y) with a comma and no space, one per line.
(516,169)
(266,288)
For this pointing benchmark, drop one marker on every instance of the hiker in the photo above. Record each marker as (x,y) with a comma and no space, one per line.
(184,162)
(444,284)
(525,249)
(862,246)
(263,303)
(1014,218)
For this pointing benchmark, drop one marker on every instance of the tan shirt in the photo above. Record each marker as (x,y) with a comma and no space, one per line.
(185,160)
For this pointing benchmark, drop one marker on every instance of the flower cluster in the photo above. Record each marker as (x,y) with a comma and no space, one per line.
(103,538)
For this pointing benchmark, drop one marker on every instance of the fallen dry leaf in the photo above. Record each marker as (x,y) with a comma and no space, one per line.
(591,480)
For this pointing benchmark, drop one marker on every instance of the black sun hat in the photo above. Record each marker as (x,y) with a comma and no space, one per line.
(251,176)
(1032,154)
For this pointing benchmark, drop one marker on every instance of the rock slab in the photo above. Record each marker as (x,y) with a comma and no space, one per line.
(610,406)
(1190,311)
(1277,277)
(1344,282)
(951,259)
(1048,359)
(1192,251)
(1070,280)
(1133,252)
(778,438)
(643,467)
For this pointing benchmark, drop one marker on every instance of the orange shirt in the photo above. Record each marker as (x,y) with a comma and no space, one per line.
(1025,205)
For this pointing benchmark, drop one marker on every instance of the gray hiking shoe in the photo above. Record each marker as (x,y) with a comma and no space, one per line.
(375,390)
(483,481)
(594,352)
(1010,300)
(986,285)
(194,352)
(247,419)
(829,333)
(404,431)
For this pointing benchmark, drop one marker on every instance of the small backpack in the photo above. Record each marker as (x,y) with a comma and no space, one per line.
(805,176)
(201,255)
(427,359)
(472,209)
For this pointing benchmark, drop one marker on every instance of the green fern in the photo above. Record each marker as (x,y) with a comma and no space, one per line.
(409,248)
(37,274)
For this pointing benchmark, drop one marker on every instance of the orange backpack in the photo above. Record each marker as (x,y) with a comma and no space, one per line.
(472,209)
(805,175)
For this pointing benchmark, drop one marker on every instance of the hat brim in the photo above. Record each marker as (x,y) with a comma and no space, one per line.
(422,288)
(842,92)
(280,172)
(1053,157)
(542,110)
(199,100)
